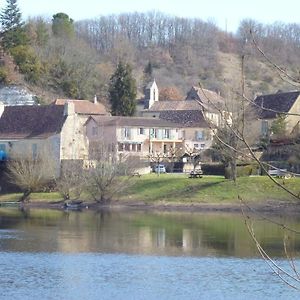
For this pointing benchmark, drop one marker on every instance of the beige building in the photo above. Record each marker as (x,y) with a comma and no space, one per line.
(193,115)
(136,136)
(267,108)
(53,131)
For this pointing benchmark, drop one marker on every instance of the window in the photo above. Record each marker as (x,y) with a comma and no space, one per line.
(127,133)
(165,148)
(264,127)
(34,151)
(2,147)
(167,133)
(139,147)
(141,131)
(152,132)
(120,147)
(95,131)
(127,147)
(196,146)
(202,146)
(199,135)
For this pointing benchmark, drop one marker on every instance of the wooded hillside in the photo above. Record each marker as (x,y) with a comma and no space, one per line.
(76,59)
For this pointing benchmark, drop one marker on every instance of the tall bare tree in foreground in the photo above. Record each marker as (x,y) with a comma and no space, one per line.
(238,133)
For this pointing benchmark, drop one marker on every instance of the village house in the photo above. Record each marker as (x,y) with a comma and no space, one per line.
(134,135)
(269,108)
(196,117)
(54,130)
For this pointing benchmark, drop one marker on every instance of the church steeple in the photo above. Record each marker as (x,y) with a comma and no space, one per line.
(151,94)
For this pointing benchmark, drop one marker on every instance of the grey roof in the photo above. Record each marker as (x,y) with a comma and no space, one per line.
(269,106)
(187,118)
(31,121)
(133,121)
(211,100)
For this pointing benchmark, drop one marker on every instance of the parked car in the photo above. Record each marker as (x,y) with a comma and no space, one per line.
(160,169)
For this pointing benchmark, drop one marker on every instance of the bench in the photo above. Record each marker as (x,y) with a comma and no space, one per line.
(136,174)
(196,174)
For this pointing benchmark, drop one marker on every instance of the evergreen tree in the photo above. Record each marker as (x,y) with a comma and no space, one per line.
(62,25)
(12,31)
(122,91)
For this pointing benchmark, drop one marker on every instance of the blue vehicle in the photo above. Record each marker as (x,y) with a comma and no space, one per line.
(3,155)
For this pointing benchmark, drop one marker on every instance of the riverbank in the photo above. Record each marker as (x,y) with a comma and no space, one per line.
(178,192)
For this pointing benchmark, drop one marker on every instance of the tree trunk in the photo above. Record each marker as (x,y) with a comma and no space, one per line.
(230,170)
(25,196)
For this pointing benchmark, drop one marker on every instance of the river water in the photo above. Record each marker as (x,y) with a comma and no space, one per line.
(48,254)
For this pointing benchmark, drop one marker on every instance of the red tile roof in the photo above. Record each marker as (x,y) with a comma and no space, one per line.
(84,107)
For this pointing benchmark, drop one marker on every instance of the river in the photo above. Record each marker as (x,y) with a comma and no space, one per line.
(48,254)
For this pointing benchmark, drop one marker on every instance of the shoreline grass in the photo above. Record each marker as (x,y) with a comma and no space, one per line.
(178,188)
(209,189)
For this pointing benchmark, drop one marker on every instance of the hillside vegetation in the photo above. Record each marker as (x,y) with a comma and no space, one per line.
(76,59)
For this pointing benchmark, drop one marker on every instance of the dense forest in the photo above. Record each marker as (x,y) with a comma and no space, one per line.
(60,57)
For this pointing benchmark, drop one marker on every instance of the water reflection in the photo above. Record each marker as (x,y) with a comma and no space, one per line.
(159,233)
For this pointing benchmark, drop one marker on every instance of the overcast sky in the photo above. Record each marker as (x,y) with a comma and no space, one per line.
(223,12)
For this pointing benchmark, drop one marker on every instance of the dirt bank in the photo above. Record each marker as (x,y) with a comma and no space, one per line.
(269,206)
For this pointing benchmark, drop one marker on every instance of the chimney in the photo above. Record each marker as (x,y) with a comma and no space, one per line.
(1,108)
(69,109)
(95,99)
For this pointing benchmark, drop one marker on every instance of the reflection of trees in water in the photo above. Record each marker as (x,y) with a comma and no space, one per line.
(138,232)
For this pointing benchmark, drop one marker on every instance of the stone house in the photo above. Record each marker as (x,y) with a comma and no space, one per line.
(196,132)
(54,130)
(212,103)
(135,136)
(267,108)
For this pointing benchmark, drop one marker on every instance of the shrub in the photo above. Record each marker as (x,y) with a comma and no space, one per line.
(27,62)
(3,75)
(213,169)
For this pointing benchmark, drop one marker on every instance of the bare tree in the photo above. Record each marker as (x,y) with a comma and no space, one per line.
(194,156)
(109,174)
(71,181)
(30,173)
(157,158)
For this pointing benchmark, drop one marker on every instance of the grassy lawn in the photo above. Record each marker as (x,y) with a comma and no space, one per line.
(209,189)
(178,188)
(43,197)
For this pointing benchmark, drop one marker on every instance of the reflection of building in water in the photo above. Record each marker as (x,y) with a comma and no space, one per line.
(161,238)
(151,239)
(145,237)
(70,241)
(72,237)
(187,239)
